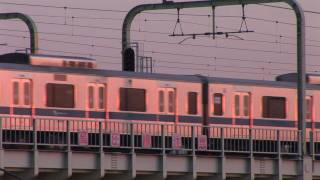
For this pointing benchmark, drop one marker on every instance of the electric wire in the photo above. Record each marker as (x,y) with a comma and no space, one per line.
(92,45)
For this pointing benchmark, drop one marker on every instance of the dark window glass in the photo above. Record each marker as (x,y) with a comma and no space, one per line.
(101,98)
(82,64)
(15,93)
(218,104)
(91,97)
(172,104)
(27,93)
(161,101)
(246,105)
(132,99)
(192,103)
(237,105)
(274,107)
(72,64)
(60,95)
(90,65)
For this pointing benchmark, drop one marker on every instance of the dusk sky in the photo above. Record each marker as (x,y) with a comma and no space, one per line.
(93,29)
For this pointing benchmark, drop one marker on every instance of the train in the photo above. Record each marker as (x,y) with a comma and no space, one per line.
(73,88)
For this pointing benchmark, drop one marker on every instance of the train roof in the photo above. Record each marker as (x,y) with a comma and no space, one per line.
(64,57)
(156,76)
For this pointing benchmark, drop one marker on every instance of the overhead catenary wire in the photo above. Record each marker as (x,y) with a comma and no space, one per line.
(189,44)
(118,48)
(219,47)
(167,33)
(125,11)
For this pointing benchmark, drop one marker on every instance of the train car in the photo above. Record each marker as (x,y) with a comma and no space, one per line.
(40,90)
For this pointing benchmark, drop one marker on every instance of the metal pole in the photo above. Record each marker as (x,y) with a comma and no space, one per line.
(213,22)
(31,25)
(209,3)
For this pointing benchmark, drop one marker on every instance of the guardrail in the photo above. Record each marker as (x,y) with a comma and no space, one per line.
(115,135)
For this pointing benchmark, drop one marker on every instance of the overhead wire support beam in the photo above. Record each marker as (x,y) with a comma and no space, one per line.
(31,26)
(210,33)
(209,3)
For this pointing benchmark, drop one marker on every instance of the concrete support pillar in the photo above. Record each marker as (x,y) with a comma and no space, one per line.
(164,166)
(306,169)
(250,175)
(194,167)
(279,169)
(222,172)
(35,162)
(102,171)
(69,163)
(133,165)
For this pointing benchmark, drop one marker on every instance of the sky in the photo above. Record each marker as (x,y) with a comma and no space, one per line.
(93,29)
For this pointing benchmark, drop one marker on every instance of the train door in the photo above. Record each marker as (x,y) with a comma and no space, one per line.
(21,97)
(242,109)
(167,104)
(96,101)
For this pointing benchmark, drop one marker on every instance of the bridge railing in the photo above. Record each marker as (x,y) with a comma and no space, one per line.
(116,135)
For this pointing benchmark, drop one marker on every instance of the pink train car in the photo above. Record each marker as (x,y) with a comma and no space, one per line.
(51,88)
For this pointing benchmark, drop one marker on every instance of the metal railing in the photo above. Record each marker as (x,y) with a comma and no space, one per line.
(115,135)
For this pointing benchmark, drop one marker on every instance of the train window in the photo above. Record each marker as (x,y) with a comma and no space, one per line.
(91,97)
(101,97)
(27,93)
(218,104)
(192,103)
(172,104)
(60,95)
(237,104)
(246,105)
(309,107)
(15,92)
(82,64)
(274,107)
(161,101)
(132,99)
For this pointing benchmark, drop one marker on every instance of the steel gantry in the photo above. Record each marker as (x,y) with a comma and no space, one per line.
(215,3)
(31,26)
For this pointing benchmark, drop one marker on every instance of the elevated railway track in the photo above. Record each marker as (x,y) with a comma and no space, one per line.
(48,148)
